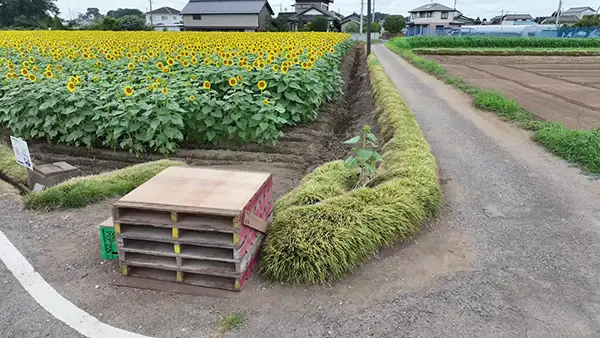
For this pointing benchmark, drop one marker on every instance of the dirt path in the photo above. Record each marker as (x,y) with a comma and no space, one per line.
(535,224)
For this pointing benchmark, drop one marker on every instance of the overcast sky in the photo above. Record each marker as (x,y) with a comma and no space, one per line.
(472,8)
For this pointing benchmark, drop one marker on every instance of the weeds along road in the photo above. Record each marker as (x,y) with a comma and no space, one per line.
(534,220)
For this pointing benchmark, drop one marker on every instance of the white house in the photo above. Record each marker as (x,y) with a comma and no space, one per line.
(435,19)
(164,18)
(516,19)
(227,15)
(579,12)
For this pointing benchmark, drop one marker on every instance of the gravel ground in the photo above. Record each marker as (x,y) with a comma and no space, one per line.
(512,254)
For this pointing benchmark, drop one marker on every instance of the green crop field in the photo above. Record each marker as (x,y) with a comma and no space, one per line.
(493,42)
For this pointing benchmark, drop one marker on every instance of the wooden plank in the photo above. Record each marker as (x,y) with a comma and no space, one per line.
(211,281)
(206,253)
(146,233)
(197,190)
(171,286)
(191,222)
(255,222)
(146,247)
(148,261)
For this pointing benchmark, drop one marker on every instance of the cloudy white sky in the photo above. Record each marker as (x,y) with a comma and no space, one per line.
(472,8)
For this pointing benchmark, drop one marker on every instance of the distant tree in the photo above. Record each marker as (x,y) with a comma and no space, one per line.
(318,24)
(53,23)
(380,16)
(352,27)
(23,21)
(32,10)
(588,21)
(121,12)
(337,25)
(540,19)
(394,24)
(375,27)
(483,21)
(478,21)
(279,24)
(93,13)
(131,23)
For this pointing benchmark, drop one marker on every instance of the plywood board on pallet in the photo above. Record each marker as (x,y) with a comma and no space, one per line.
(197,190)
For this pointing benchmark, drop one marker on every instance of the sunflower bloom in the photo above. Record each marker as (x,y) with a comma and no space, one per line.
(71,86)
(128,91)
(239,77)
(165,91)
(275,68)
(266,101)
(206,85)
(24,72)
(131,66)
(160,65)
(262,84)
(192,98)
(233,82)
(49,74)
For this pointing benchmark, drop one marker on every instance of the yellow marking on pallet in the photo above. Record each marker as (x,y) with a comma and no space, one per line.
(236,239)
(117,228)
(173,217)
(124,270)
(175,233)
(237,285)
(179,276)
(236,223)
(177,249)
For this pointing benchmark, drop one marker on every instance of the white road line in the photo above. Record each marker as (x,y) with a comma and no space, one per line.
(52,301)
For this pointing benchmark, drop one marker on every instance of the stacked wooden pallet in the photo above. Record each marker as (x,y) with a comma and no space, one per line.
(195,226)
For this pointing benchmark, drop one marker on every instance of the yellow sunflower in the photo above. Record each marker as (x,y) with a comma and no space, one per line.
(275,68)
(239,77)
(160,65)
(233,82)
(49,74)
(24,72)
(170,61)
(128,91)
(262,84)
(165,91)
(192,98)
(131,66)
(266,101)
(71,86)
(166,69)
(206,85)
(284,69)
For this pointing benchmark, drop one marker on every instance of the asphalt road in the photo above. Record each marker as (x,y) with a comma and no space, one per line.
(535,223)
(514,253)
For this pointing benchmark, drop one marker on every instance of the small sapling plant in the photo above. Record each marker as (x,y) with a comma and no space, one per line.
(364,156)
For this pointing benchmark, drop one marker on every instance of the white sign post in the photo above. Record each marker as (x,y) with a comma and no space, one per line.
(21,151)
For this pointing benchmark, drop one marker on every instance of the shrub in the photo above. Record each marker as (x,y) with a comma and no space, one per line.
(81,191)
(323,229)
(394,24)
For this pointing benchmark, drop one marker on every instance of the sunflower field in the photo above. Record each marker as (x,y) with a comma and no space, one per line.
(150,91)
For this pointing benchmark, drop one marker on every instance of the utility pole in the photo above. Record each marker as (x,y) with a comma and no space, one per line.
(151,15)
(454,4)
(373,10)
(598,10)
(558,12)
(362,6)
(368,27)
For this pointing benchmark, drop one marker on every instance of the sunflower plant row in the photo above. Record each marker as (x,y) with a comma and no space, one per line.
(149,91)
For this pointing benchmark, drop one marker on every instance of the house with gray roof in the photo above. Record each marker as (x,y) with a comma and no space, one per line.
(578,12)
(226,15)
(164,18)
(435,19)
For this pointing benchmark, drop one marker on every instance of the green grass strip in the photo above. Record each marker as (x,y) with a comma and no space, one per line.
(495,42)
(580,147)
(507,51)
(323,229)
(8,165)
(82,191)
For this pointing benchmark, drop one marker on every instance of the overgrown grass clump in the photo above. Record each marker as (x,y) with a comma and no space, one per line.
(323,229)
(581,147)
(494,42)
(81,191)
(8,165)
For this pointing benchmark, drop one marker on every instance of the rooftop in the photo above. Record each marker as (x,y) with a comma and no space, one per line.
(225,7)
(432,7)
(165,10)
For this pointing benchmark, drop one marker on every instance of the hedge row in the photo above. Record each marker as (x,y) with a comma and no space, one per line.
(506,51)
(82,191)
(323,228)
(495,42)
(581,147)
